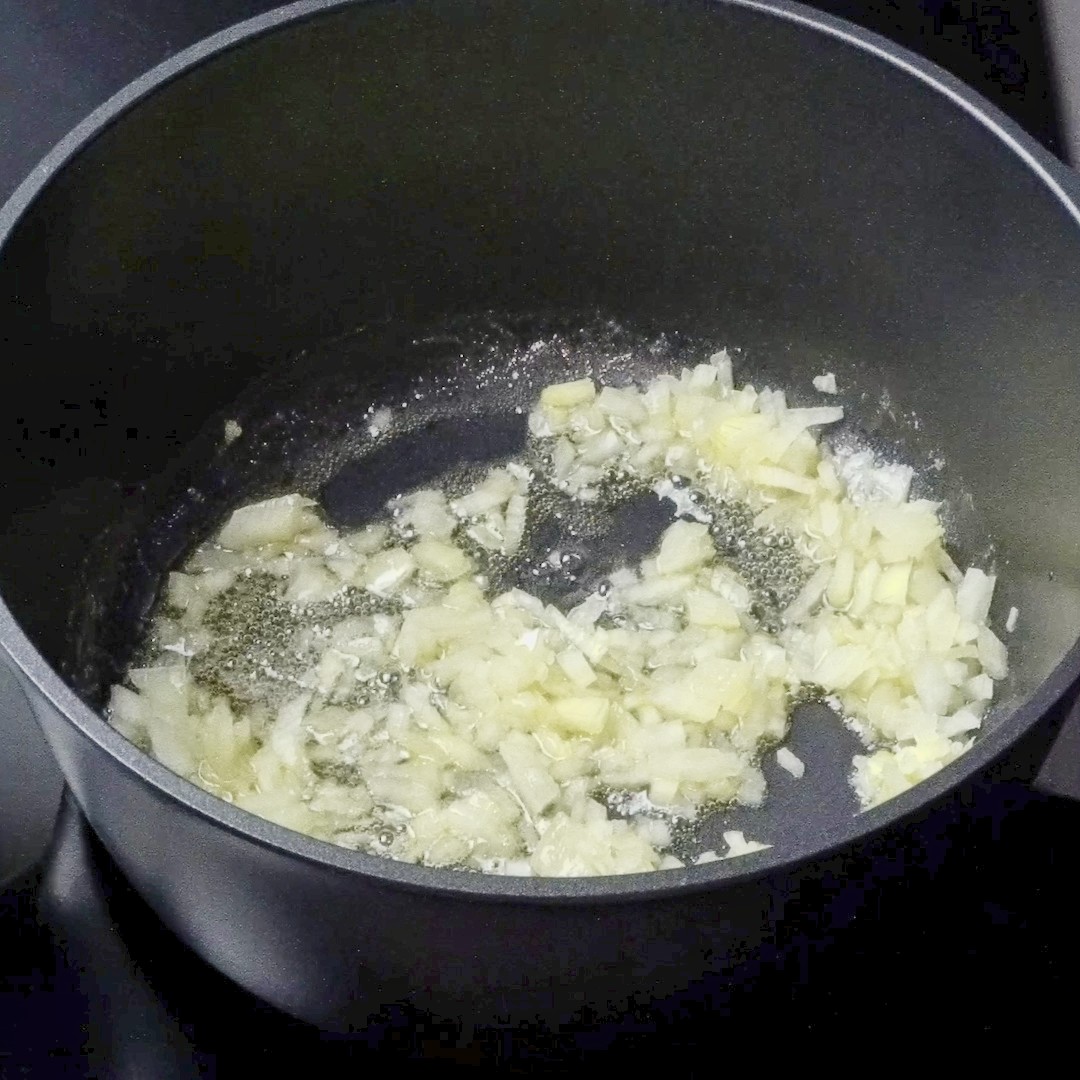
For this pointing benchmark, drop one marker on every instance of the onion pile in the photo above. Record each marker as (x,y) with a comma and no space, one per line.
(371,687)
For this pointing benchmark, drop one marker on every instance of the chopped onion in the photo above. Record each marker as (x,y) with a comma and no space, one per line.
(275,520)
(789,762)
(738,845)
(974,594)
(398,707)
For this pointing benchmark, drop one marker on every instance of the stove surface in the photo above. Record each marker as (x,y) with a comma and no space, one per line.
(962,924)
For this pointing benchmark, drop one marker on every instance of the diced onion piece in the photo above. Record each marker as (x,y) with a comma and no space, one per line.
(933,687)
(514,524)
(127,711)
(624,404)
(771,476)
(905,530)
(386,572)
(427,513)
(492,493)
(567,395)
(738,844)
(961,722)
(586,715)
(528,772)
(892,585)
(840,667)
(576,667)
(865,583)
(685,545)
(809,596)
(192,593)
(367,541)
(993,655)
(311,582)
(570,848)
(272,521)
(790,762)
(440,560)
(709,609)
(722,362)
(974,595)
(287,737)
(842,578)
(980,687)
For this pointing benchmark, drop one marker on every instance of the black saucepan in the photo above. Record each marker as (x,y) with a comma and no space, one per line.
(334,204)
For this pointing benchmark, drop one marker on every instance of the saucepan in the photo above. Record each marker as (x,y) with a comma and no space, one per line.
(310,213)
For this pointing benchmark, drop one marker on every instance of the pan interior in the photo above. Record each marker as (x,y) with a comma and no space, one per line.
(710,172)
(459,393)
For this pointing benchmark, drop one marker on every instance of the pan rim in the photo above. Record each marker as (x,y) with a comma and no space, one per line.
(33,669)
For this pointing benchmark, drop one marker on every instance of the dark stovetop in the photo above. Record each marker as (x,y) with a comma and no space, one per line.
(961,926)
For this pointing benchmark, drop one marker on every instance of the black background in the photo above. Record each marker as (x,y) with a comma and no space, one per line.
(961,929)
